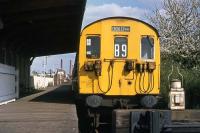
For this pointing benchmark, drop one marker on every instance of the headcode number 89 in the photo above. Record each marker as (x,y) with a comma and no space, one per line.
(120,50)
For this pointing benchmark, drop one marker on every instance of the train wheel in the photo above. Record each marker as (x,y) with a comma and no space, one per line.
(84,121)
(149,101)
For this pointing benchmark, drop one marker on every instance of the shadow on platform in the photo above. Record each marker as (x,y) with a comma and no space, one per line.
(62,94)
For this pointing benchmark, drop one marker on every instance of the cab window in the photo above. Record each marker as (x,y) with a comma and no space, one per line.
(93,47)
(147,47)
(120,47)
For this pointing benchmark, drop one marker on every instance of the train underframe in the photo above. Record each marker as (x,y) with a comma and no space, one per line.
(128,115)
(98,119)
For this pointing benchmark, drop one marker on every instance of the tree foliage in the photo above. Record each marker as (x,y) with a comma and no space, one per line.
(178,23)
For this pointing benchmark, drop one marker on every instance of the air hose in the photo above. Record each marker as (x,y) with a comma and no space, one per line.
(110,78)
(150,83)
(136,84)
(141,81)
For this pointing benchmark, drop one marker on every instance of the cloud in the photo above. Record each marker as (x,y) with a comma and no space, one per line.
(151,3)
(95,12)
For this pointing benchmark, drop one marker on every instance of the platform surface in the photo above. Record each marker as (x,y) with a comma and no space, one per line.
(50,111)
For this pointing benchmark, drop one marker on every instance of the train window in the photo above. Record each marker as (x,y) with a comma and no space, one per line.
(120,48)
(93,47)
(147,47)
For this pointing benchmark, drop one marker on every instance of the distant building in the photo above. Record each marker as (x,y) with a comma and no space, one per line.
(41,80)
(59,77)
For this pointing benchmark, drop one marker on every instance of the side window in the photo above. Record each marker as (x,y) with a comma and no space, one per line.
(147,47)
(93,47)
(120,48)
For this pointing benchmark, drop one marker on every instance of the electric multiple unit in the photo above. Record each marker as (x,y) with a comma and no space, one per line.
(117,65)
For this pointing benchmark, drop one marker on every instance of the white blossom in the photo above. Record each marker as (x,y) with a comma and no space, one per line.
(178,23)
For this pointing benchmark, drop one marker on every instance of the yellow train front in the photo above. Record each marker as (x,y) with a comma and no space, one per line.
(118,63)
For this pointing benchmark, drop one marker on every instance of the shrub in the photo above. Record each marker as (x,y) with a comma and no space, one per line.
(191,82)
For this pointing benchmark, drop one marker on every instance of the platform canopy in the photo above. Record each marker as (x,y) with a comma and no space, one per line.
(41,27)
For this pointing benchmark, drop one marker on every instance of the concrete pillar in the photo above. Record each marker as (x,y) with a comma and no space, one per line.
(19,69)
(25,73)
(17,65)
(12,58)
(17,84)
(1,24)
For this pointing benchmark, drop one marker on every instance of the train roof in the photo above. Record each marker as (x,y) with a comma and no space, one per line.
(120,17)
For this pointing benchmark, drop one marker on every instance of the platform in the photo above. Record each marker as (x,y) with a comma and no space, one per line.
(50,111)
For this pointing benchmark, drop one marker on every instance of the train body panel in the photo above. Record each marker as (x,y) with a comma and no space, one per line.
(119,57)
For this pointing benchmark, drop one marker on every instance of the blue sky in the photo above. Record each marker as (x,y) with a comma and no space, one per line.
(52,62)
(97,9)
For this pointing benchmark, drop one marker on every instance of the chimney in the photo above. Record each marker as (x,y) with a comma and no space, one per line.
(70,67)
(61,64)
